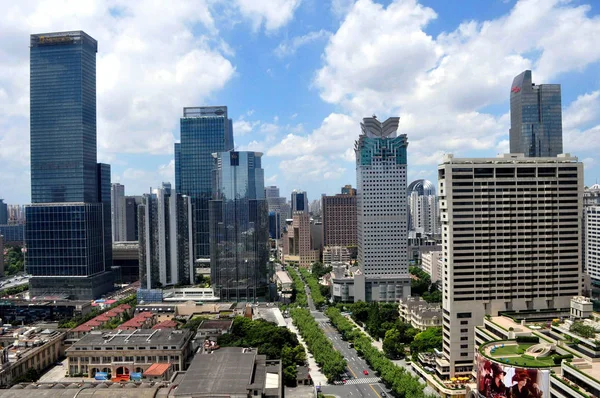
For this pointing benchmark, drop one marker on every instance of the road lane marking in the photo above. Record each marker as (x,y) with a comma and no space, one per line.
(374,390)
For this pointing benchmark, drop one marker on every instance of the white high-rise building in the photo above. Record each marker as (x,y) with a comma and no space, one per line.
(165,238)
(423,208)
(382,219)
(511,231)
(591,234)
(118,213)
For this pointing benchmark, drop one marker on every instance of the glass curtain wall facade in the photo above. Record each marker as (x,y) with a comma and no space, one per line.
(535,118)
(63,117)
(69,238)
(204,131)
(239,227)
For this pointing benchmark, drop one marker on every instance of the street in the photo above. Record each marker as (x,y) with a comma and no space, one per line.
(359,384)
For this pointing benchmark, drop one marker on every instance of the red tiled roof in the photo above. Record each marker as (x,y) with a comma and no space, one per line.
(83,328)
(157,369)
(165,325)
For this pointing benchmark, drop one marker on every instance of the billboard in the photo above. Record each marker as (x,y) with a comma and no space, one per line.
(495,380)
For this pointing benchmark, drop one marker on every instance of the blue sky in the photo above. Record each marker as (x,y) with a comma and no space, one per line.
(299,75)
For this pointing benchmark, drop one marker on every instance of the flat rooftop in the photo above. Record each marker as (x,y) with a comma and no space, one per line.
(226,371)
(132,338)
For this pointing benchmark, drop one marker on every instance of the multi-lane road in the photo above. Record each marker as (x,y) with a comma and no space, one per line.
(358,384)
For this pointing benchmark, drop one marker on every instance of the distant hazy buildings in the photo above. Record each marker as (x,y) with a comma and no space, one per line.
(117,202)
(501,253)
(239,234)
(423,208)
(381,212)
(299,202)
(339,219)
(204,131)
(165,239)
(535,117)
(70,191)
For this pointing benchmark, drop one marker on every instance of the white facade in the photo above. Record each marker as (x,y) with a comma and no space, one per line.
(382,219)
(511,231)
(117,206)
(432,264)
(423,208)
(592,242)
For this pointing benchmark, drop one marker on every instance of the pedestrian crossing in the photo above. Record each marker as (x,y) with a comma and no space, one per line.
(363,380)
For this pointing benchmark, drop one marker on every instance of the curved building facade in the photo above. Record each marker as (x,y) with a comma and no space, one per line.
(423,211)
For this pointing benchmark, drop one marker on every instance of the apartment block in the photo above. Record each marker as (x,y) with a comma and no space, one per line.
(511,232)
(431,263)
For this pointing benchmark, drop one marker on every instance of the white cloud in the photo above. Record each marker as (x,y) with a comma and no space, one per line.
(335,134)
(310,168)
(243,127)
(582,111)
(273,14)
(289,47)
(341,7)
(381,60)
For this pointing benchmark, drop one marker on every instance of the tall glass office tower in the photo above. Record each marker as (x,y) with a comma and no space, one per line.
(535,118)
(239,227)
(68,230)
(204,131)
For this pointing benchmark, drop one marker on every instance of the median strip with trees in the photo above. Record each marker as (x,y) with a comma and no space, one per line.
(401,382)
(332,363)
(313,285)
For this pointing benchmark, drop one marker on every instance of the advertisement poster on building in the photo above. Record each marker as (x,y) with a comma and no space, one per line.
(496,380)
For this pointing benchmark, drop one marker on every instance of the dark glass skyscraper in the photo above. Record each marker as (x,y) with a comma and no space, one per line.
(63,117)
(204,131)
(239,227)
(535,118)
(68,230)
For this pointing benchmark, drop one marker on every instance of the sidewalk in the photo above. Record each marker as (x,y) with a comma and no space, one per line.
(317,377)
(376,344)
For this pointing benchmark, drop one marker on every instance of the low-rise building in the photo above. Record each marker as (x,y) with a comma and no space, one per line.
(122,352)
(31,348)
(284,282)
(99,322)
(342,283)
(419,313)
(233,372)
(159,372)
(162,311)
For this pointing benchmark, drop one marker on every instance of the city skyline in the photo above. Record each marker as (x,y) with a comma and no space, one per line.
(298,105)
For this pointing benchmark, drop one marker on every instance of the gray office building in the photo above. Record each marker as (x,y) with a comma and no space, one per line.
(535,118)
(117,201)
(68,230)
(239,227)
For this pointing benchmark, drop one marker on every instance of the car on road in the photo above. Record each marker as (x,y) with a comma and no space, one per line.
(365,372)
(383,394)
